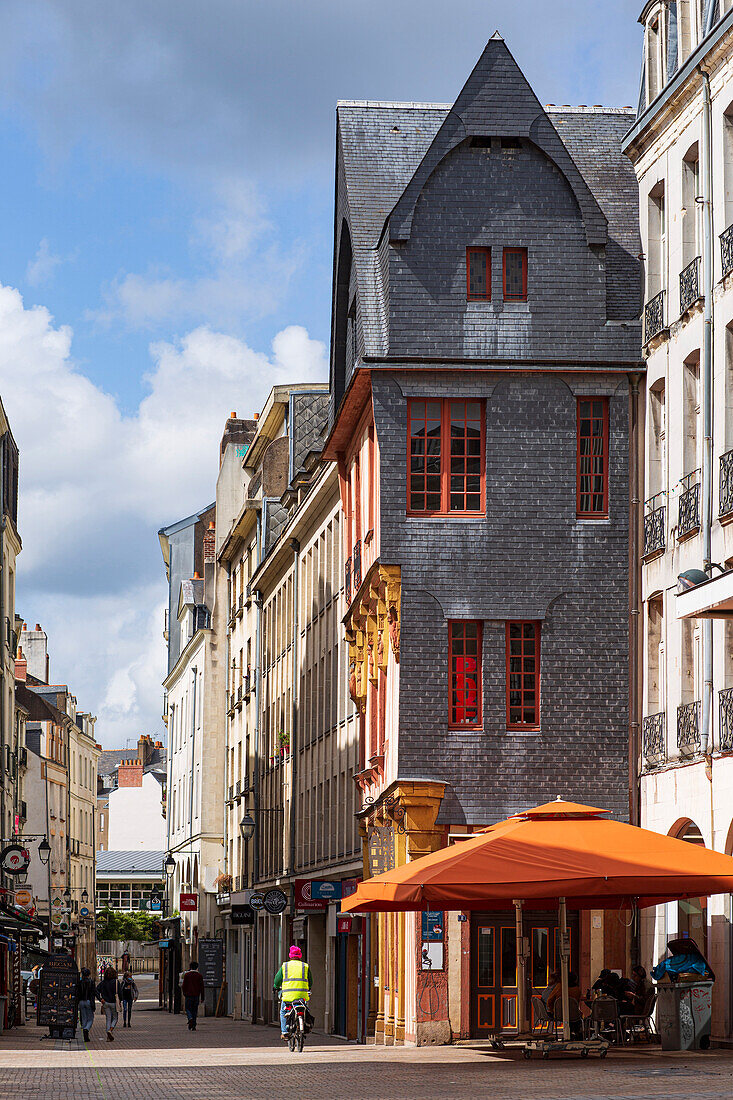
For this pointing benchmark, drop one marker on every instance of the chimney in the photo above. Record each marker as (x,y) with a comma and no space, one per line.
(210,545)
(21,666)
(239,432)
(129,773)
(144,747)
(34,644)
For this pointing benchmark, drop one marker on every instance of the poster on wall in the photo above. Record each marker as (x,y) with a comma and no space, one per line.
(432,956)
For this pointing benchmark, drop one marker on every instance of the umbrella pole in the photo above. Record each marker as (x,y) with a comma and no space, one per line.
(521,1008)
(563,914)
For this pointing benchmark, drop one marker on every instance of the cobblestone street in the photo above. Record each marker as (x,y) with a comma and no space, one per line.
(158,1059)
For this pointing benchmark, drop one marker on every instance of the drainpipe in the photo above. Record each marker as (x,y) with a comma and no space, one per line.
(295,547)
(634,609)
(256,777)
(707,405)
(193,763)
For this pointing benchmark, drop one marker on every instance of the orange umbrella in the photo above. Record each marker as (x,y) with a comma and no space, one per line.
(555,853)
(561,849)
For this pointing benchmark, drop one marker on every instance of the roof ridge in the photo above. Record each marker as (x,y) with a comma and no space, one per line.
(389,105)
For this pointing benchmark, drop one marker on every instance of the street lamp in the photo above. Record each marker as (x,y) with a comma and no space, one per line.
(247,826)
(84,896)
(170,865)
(67,894)
(44,851)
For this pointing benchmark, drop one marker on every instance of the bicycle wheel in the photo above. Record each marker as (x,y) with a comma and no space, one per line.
(301,1042)
(291,1041)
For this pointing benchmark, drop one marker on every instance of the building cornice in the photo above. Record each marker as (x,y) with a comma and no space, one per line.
(185,656)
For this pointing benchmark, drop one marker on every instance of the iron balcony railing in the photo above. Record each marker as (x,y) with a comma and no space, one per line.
(726,484)
(246,687)
(726,719)
(689,509)
(654,316)
(653,736)
(347,580)
(655,535)
(356,578)
(690,285)
(726,250)
(688,728)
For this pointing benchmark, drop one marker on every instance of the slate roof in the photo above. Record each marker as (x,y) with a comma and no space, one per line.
(125,862)
(383,144)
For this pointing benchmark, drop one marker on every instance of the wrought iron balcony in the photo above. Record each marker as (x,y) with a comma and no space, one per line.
(654,316)
(347,580)
(690,285)
(653,729)
(689,511)
(357,565)
(655,537)
(726,250)
(688,728)
(726,484)
(725,698)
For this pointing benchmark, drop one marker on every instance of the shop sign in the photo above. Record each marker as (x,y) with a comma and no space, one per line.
(275,901)
(24,899)
(58,996)
(380,839)
(156,902)
(326,891)
(304,898)
(14,859)
(84,911)
(432,925)
(242,914)
(257,901)
(343,923)
(211,961)
(189,903)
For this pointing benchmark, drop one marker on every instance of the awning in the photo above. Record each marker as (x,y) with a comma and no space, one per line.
(711,599)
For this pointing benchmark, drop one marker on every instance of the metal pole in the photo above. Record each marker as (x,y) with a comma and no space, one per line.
(519,933)
(707,405)
(564,970)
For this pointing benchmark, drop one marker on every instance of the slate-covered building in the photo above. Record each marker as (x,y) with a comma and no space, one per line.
(485,369)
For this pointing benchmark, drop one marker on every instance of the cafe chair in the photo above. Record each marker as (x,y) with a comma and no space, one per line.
(604,1017)
(574,1017)
(541,1019)
(642,1022)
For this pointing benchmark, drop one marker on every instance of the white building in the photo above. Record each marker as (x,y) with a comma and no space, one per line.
(682,150)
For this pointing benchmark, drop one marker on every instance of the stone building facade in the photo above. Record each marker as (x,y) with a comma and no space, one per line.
(486,356)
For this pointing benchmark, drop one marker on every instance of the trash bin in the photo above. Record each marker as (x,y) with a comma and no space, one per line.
(683,1014)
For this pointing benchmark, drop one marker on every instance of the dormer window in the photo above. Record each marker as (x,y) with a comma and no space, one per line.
(478,274)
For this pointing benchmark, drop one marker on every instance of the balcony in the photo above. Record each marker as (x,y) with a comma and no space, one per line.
(689,511)
(688,728)
(357,566)
(726,484)
(655,538)
(690,285)
(654,317)
(347,580)
(653,730)
(165,624)
(725,698)
(726,250)
(240,605)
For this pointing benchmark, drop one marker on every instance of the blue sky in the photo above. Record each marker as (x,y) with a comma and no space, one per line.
(167,214)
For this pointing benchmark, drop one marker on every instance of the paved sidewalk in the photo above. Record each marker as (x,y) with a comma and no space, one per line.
(159,1059)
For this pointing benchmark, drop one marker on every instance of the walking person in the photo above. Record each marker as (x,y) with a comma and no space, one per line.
(87,1001)
(192,988)
(107,993)
(127,993)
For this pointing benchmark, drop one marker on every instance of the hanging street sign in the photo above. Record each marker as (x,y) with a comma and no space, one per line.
(189,903)
(84,911)
(257,901)
(275,901)
(24,899)
(14,859)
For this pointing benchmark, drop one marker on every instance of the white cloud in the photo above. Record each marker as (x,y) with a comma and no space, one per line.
(96,485)
(41,268)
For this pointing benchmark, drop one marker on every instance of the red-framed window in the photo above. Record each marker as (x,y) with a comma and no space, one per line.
(522,675)
(592,457)
(515,274)
(464,648)
(478,274)
(445,460)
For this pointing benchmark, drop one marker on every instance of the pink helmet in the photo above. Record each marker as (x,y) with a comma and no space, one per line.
(295,952)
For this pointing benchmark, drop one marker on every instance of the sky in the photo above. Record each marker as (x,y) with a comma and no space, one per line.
(166,241)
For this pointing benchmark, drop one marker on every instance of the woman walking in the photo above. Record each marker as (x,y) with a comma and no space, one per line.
(87,1000)
(127,992)
(107,992)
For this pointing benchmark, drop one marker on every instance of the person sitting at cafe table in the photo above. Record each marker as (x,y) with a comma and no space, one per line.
(553,979)
(610,984)
(554,1002)
(642,990)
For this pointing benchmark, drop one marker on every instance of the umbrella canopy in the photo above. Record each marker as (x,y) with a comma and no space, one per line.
(561,849)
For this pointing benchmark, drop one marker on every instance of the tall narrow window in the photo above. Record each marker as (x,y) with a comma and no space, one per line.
(478,274)
(592,457)
(446,457)
(522,675)
(515,274)
(465,673)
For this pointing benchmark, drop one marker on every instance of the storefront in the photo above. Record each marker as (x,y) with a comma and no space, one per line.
(169,947)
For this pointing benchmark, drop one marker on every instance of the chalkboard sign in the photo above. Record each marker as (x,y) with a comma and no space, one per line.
(58,997)
(211,961)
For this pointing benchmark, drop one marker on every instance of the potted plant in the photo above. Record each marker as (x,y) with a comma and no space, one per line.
(284,740)
(223,883)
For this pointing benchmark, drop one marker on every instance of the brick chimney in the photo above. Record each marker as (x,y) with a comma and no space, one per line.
(21,666)
(210,545)
(129,773)
(239,432)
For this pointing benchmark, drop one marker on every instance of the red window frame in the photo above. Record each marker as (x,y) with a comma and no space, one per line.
(486,252)
(445,474)
(515,252)
(523,675)
(465,707)
(591,485)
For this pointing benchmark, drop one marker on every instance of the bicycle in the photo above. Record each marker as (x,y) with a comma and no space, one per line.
(296,1017)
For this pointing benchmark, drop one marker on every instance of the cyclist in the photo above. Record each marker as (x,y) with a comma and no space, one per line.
(294,982)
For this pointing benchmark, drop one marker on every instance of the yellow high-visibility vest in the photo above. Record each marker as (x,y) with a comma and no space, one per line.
(295,981)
